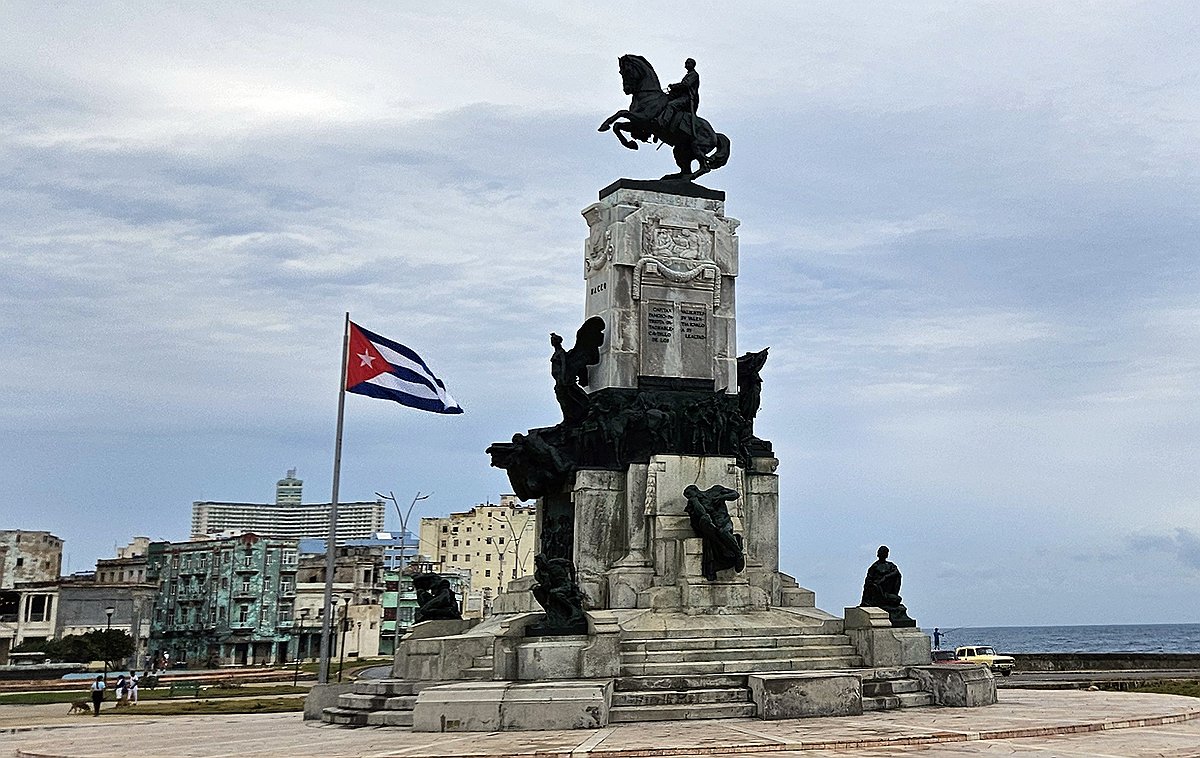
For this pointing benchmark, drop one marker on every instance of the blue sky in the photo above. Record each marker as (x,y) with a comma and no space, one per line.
(969,236)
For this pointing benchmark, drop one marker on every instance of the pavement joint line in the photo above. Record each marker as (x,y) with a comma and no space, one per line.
(588,745)
(761,735)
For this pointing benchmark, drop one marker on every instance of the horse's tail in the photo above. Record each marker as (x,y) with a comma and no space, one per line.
(721,156)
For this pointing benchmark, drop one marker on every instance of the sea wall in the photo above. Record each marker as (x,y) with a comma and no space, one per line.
(1105,661)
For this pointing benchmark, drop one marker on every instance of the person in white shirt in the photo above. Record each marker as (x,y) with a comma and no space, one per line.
(97,694)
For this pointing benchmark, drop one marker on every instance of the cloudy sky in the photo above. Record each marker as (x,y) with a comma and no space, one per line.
(969,235)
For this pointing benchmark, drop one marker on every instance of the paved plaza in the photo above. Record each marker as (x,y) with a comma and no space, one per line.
(1024,723)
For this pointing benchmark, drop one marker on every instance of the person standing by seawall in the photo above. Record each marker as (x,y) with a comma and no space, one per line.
(97,694)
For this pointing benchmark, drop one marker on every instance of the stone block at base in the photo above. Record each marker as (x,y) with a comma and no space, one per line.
(323,696)
(503,706)
(551,658)
(796,695)
(957,685)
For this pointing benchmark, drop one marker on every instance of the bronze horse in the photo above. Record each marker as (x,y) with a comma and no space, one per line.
(651,117)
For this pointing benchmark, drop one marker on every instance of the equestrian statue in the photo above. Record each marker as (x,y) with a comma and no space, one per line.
(668,118)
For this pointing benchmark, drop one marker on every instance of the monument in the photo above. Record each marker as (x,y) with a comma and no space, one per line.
(658,593)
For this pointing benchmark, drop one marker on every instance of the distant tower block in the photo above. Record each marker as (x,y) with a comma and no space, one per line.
(287,489)
(660,271)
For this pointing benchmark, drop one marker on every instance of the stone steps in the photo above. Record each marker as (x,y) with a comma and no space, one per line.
(738,654)
(741,666)
(891,690)
(738,642)
(662,683)
(706,696)
(376,702)
(891,702)
(689,633)
(624,715)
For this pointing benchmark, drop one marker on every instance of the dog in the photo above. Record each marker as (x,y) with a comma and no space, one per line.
(81,706)
(122,703)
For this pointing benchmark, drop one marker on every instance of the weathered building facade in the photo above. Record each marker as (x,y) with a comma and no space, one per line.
(224,601)
(494,543)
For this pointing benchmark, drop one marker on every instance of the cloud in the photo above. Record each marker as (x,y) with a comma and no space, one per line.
(1182,544)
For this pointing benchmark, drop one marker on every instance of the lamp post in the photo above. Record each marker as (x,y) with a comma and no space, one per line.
(403,519)
(297,631)
(109,611)
(342,652)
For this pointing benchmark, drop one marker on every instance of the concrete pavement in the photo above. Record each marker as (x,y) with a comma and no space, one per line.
(1024,723)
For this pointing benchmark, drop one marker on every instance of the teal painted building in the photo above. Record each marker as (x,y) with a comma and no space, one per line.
(224,601)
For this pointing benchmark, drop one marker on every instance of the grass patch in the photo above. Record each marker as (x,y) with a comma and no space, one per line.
(1191,688)
(205,706)
(145,695)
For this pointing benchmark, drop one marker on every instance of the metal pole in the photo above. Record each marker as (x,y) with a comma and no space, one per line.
(331,542)
(342,652)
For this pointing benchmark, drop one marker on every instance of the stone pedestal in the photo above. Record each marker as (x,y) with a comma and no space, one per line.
(880,644)
(660,271)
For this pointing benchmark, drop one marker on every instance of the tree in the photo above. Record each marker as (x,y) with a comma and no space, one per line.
(111,645)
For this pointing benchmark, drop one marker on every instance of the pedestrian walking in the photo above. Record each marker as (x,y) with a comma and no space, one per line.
(122,689)
(97,694)
(133,683)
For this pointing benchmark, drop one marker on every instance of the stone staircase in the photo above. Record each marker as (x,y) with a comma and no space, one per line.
(376,702)
(480,670)
(678,698)
(680,652)
(888,689)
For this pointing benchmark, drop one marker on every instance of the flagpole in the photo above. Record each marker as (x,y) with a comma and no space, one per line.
(331,542)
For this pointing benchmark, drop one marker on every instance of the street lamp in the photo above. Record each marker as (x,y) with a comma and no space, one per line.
(298,624)
(342,652)
(109,611)
(403,518)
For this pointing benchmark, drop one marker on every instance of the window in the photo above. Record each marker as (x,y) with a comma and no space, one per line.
(454,557)
(501,540)
(443,543)
(444,529)
(243,614)
(20,561)
(456,543)
(245,586)
(487,573)
(489,540)
(468,541)
(487,557)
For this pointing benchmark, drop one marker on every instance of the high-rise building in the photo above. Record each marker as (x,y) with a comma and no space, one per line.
(287,489)
(287,517)
(494,542)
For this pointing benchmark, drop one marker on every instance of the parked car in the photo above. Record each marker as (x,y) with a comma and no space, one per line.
(945,656)
(987,655)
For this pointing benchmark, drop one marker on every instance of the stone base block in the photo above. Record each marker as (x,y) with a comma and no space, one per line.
(880,644)
(503,706)
(625,583)
(797,597)
(729,596)
(551,658)
(323,696)
(957,685)
(801,695)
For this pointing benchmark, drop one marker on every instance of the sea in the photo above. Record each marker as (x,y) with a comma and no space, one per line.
(1109,638)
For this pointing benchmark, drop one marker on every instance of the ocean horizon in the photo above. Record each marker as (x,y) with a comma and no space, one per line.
(1090,638)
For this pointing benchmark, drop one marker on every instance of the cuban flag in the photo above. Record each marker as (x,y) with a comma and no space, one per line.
(379,367)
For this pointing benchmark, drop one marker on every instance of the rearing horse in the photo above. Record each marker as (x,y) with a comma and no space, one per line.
(652,117)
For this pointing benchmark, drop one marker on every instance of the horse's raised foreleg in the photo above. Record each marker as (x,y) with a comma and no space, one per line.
(621,130)
(608,122)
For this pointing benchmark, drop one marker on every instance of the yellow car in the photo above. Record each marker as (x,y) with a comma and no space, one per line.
(987,656)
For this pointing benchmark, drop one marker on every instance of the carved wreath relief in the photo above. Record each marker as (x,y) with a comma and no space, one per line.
(677,254)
